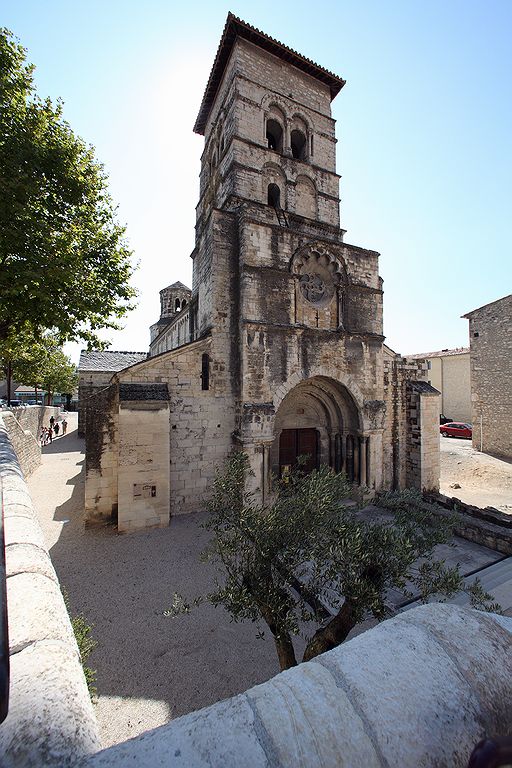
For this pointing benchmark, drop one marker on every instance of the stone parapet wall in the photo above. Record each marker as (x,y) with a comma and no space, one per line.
(409,692)
(23,426)
(488,526)
(51,720)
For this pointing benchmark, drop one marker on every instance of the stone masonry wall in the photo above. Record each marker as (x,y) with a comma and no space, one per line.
(51,722)
(201,421)
(90,383)
(23,426)
(490,337)
(101,456)
(143,475)
(257,85)
(430,449)
(399,468)
(422,437)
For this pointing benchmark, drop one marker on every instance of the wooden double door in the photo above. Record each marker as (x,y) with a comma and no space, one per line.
(298,442)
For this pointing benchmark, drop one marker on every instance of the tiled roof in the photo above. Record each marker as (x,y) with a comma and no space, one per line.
(177,286)
(423,387)
(236,27)
(441,353)
(106,360)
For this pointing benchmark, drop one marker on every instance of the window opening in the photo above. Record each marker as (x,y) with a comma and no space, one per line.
(311,146)
(298,145)
(274,135)
(205,371)
(183,303)
(177,305)
(274,195)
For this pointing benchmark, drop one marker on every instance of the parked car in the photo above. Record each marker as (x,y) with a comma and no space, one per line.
(456,429)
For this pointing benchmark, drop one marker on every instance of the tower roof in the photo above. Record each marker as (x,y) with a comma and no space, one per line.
(176,286)
(234,28)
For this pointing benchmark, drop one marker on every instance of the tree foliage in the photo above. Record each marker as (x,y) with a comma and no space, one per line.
(38,362)
(64,263)
(285,561)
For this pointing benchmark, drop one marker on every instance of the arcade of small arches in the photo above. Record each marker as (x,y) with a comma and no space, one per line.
(288,135)
(320,420)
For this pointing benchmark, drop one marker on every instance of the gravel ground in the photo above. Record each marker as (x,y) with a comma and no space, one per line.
(150,668)
(483,480)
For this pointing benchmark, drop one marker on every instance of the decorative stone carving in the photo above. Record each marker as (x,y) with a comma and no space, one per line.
(320,272)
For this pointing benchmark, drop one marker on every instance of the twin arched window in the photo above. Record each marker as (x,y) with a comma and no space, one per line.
(298,140)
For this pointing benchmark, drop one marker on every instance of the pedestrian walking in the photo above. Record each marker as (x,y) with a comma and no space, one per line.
(49,434)
(56,428)
(52,421)
(64,426)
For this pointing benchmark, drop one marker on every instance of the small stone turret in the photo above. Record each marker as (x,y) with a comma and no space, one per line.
(173,299)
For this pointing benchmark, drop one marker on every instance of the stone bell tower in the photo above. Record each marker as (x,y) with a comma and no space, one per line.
(305,310)
(278,349)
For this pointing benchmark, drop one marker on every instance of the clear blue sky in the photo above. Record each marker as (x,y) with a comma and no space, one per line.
(424,127)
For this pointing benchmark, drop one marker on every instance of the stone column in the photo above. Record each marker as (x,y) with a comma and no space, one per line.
(332,450)
(266,472)
(362,462)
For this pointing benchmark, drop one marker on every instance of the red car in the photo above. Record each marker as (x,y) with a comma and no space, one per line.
(456,429)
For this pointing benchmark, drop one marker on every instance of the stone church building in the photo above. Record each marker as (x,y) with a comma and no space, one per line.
(278,349)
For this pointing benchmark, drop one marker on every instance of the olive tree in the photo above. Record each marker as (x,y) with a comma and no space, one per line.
(282,562)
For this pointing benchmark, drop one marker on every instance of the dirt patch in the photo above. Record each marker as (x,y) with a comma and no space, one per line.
(475,478)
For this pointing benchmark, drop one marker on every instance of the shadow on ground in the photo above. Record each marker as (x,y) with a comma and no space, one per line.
(123,584)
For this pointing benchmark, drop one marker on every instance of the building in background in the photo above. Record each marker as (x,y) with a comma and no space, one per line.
(448,372)
(490,343)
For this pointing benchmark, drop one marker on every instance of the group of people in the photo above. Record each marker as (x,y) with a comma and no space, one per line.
(48,433)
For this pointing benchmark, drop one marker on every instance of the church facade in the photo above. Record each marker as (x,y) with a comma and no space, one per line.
(278,348)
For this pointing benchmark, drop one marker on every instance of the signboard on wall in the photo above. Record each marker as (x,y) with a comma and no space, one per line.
(144,491)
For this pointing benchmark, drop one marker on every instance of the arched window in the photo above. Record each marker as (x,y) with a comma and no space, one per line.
(177,305)
(274,196)
(274,135)
(298,145)
(183,303)
(205,371)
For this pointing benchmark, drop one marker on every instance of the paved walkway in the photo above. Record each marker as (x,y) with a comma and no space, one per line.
(150,668)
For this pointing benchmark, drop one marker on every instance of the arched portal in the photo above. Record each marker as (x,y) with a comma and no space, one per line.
(320,419)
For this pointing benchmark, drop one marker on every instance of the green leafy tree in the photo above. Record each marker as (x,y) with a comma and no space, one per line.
(38,362)
(64,263)
(282,562)
(59,375)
